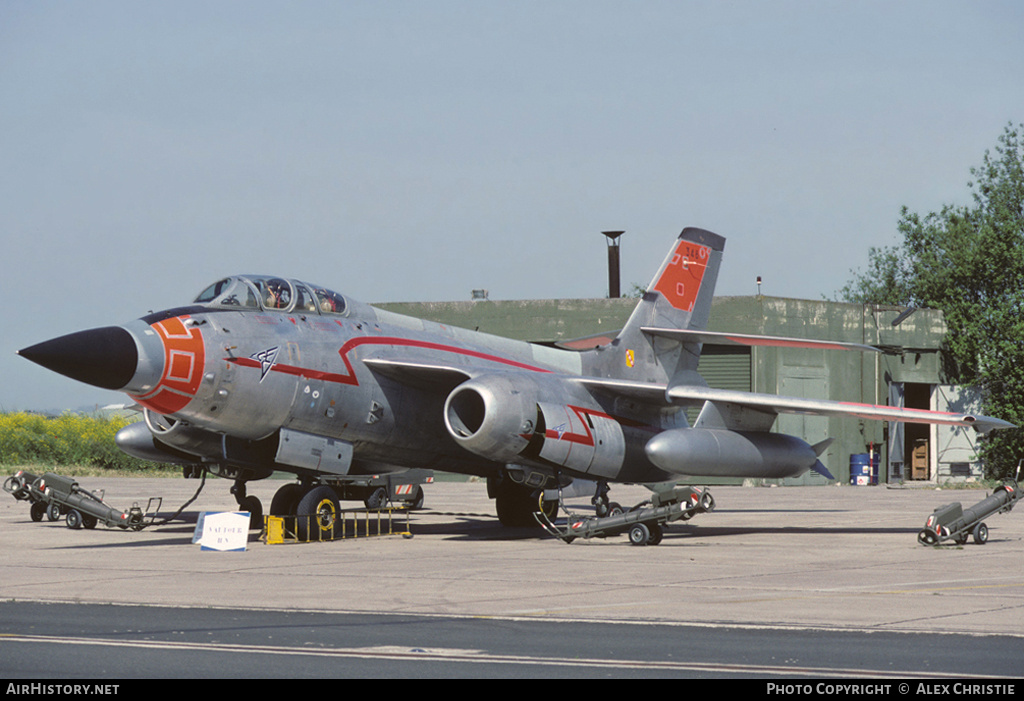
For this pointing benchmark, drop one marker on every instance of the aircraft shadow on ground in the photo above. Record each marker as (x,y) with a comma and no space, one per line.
(483,527)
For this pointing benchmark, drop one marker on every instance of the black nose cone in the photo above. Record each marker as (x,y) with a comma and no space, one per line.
(105,357)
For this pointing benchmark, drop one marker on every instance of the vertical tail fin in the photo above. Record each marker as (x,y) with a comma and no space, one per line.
(679,297)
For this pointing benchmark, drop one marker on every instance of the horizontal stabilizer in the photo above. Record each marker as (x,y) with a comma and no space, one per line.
(741,339)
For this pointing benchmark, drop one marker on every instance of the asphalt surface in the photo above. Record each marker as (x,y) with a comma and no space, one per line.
(836,560)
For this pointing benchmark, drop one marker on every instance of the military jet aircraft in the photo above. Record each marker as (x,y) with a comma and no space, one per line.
(263,373)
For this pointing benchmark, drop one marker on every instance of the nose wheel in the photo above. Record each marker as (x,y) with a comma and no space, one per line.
(248,503)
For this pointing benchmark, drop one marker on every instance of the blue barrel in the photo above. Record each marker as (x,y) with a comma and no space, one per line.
(863,469)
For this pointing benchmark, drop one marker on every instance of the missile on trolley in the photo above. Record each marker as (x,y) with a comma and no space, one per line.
(952,521)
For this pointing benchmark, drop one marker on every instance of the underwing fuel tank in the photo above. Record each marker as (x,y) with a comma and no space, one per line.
(724,453)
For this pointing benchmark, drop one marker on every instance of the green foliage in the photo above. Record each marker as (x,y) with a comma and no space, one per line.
(969,262)
(69,439)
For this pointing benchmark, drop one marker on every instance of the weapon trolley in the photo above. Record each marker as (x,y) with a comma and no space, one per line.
(953,522)
(644,522)
(54,496)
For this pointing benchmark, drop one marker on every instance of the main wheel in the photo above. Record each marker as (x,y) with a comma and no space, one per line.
(317,514)
(378,499)
(286,499)
(516,505)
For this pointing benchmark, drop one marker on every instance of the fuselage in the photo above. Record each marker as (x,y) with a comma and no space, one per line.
(258,359)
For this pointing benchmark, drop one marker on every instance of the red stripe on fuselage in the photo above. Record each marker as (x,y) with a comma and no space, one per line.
(349,378)
(587,438)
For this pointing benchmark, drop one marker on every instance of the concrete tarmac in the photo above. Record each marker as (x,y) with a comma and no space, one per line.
(834,557)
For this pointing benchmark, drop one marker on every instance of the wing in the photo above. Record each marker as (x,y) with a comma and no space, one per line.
(718,338)
(757,411)
(724,408)
(742,339)
(773,404)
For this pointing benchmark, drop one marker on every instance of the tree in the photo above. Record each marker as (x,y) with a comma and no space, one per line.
(968,261)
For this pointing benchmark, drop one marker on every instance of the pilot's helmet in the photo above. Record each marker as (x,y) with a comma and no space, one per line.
(279,293)
(326,303)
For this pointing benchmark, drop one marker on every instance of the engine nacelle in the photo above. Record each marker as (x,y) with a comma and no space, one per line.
(492,416)
(709,452)
(509,419)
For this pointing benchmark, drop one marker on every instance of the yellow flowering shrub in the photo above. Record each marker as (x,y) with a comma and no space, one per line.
(69,439)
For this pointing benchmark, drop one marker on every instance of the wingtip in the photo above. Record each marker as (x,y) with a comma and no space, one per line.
(986,424)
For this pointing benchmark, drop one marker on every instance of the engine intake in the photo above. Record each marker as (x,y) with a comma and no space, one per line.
(492,416)
(511,419)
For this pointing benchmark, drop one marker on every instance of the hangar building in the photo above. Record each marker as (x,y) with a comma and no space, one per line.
(908,374)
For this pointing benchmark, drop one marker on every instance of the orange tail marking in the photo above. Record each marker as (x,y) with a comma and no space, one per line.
(681,281)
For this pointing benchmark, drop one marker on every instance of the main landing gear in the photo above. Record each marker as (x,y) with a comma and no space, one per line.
(516,502)
(315,505)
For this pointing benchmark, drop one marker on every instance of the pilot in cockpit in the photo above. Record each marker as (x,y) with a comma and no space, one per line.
(330,302)
(279,294)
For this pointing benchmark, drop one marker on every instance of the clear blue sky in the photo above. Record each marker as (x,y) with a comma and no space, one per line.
(409,151)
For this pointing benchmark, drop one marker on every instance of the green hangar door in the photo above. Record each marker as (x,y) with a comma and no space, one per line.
(723,367)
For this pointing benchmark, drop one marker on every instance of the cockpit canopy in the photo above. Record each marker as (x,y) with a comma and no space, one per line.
(272,294)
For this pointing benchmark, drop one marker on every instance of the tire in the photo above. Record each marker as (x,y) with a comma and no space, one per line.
(516,505)
(53,512)
(255,508)
(657,533)
(88,521)
(286,500)
(317,514)
(37,511)
(639,534)
(73,519)
(378,499)
(980,534)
